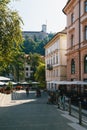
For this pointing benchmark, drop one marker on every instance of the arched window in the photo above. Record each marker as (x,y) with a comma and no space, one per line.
(72,66)
(85,64)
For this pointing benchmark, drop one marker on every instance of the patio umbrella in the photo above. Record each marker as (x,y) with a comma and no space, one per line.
(13,83)
(2,83)
(24,83)
(4,78)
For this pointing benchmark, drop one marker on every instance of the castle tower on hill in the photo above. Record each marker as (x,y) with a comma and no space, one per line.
(44,28)
(38,34)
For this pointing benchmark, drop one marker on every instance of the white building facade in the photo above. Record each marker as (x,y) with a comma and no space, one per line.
(55,60)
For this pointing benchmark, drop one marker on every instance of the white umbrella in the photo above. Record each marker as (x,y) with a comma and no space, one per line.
(13,83)
(2,83)
(4,78)
(24,83)
(35,82)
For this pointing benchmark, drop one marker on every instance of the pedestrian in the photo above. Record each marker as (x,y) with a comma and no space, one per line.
(27,91)
(63,101)
(59,101)
(38,92)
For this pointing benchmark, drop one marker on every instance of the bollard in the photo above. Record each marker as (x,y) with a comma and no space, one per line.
(80,114)
(69,106)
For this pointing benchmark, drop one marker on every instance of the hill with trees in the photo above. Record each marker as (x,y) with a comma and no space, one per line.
(35,45)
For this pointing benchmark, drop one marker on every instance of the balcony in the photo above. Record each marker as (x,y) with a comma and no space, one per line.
(49,67)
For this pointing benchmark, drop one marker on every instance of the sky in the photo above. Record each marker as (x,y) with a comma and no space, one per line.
(34,13)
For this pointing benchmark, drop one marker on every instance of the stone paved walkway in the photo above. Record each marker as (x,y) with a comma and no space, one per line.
(19,112)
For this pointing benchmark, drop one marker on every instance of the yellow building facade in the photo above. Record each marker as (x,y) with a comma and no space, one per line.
(55,60)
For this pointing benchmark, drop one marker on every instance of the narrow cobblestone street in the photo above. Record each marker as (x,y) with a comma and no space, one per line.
(19,112)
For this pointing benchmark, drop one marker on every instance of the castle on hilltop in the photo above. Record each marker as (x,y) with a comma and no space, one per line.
(38,34)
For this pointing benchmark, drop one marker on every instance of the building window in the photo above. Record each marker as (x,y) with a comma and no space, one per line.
(72,40)
(54,73)
(85,64)
(85,5)
(72,18)
(27,69)
(53,59)
(85,80)
(72,66)
(85,32)
(26,74)
(56,58)
(57,73)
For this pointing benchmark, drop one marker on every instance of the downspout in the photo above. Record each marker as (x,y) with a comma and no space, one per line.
(79,40)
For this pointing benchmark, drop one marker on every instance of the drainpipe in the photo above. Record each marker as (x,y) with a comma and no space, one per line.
(79,40)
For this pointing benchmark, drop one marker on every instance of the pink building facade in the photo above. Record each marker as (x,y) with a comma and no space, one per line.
(76,12)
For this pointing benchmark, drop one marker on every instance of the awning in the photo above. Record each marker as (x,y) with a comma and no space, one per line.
(79,82)
(68,82)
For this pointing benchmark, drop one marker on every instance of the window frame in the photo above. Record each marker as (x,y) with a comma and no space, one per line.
(27,69)
(72,66)
(85,32)
(72,40)
(85,64)
(85,6)
(72,18)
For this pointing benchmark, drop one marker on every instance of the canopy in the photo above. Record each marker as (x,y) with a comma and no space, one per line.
(35,82)
(2,83)
(24,83)
(69,82)
(13,83)
(79,82)
(4,78)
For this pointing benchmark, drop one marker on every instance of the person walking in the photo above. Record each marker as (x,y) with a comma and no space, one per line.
(63,101)
(27,91)
(59,101)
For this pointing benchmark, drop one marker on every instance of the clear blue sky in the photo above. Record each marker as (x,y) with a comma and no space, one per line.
(34,13)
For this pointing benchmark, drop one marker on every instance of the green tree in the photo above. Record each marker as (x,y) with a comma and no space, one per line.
(34,61)
(10,34)
(29,45)
(36,45)
(40,74)
(18,67)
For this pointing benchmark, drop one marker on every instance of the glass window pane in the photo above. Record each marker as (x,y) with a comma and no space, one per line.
(85,32)
(85,64)
(85,6)
(72,67)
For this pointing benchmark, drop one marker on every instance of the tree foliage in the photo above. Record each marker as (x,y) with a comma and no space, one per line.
(10,34)
(28,45)
(40,74)
(17,67)
(35,45)
(34,60)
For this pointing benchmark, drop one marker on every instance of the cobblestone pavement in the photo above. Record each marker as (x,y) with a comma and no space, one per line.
(19,112)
